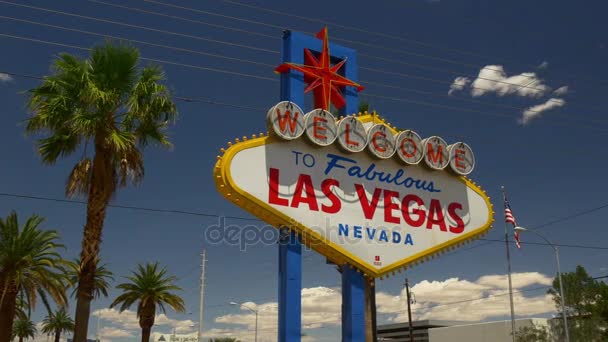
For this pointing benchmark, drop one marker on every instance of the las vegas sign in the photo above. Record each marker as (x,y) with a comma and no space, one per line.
(356,189)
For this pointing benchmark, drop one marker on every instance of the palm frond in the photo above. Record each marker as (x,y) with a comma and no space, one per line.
(79,180)
(150,286)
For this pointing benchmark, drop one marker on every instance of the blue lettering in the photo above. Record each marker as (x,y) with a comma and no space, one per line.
(372,174)
(333,162)
(383,236)
(343,229)
(408,240)
(396,237)
(371,232)
(357,232)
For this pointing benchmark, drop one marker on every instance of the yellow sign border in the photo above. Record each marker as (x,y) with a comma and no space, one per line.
(314,240)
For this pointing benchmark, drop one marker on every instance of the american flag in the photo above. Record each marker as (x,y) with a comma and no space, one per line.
(509,218)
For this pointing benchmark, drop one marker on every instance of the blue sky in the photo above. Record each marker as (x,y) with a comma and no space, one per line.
(552,167)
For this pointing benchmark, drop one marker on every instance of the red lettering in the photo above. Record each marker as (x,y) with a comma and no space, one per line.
(283,120)
(436,216)
(404,151)
(389,206)
(304,186)
(434,156)
(368,208)
(335,201)
(318,131)
(459,228)
(376,146)
(273,193)
(407,216)
(348,141)
(459,158)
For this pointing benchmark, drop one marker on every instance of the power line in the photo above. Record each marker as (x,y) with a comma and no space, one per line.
(527,85)
(129,207)
(245,46)
(242,60)
(441,106)
(174,48)
(105,35)
(146,58)
(180,98)
(229,28)
(202,214)
(386,35)
(542,225)
(141,27)
(337,39)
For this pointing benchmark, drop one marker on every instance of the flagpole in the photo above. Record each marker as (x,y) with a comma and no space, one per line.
(504,197)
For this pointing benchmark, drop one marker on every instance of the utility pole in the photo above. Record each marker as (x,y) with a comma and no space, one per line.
(409,309)
(202,297)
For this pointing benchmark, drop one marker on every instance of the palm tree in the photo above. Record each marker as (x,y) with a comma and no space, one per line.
(30,265)
(57,323)
(150,287)
(108,110)
(103,277)
(23,329)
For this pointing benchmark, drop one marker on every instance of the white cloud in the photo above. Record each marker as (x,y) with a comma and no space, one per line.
(456,297)
(474,300)
(5,77)
(435,300)
(109,332)
(493,79)
(563,90)
(459,84)
(126,319)
(536,111)
(127,322)
(543,65)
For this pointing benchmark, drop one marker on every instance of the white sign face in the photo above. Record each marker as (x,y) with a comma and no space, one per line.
(378,215)
(321,127)
(381,142)
(409,147)
(436,153)
(286,120)
(351,134)
(462,159)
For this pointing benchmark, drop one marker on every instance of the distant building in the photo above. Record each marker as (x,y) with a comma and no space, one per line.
(455,331)
(175,338)
(400,331)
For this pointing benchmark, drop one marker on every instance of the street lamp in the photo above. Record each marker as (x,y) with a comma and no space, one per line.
(559,276)
(256,316)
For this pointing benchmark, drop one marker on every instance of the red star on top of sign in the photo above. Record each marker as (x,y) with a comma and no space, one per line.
(321,76)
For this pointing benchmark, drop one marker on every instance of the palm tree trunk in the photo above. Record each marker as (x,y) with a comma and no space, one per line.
(57,335)
(7,313)
(20,339)
(145,334)
(100,192)
(146,320)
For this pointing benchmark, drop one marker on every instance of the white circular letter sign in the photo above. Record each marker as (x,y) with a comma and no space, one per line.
(436,153)
(381,142)
(409,147)
(462,159)
(351,134)
(286,120)
(321,127)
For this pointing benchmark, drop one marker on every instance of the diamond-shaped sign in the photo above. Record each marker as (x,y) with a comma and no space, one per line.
(356,208)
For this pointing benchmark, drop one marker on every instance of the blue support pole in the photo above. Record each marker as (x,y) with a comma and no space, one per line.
(290,286)
(353,305)
(290,246)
